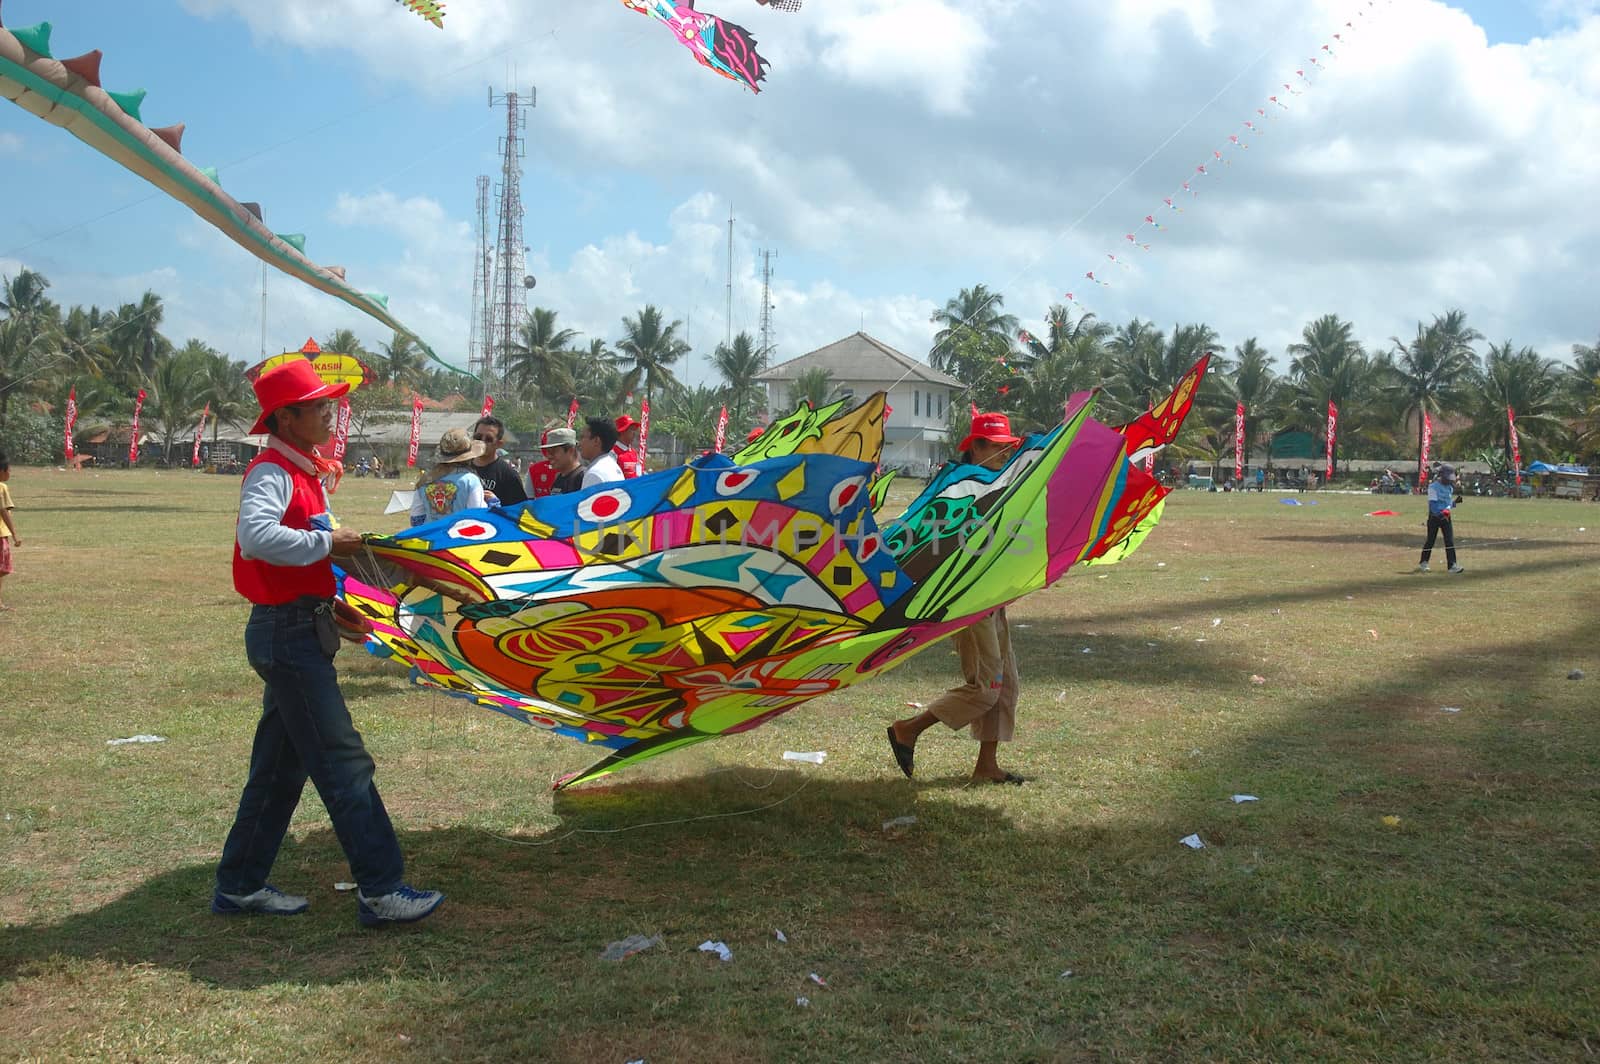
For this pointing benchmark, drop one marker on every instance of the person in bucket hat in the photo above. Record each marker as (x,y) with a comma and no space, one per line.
(1443,496)
(986,703)
(282,564)
(451,484)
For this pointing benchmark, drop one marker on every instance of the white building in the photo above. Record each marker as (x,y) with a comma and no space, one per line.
(920,396)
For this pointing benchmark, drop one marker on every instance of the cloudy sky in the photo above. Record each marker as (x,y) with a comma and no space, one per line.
(1448,156)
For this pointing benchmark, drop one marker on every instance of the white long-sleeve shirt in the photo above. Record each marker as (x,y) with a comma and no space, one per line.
(263,500)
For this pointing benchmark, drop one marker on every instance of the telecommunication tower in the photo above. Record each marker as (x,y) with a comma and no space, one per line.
(511,280)
(481,327)
(766,307)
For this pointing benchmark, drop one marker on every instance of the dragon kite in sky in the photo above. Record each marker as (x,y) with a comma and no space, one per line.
(644,616)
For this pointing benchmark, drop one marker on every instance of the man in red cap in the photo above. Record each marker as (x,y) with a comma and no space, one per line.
(987,702)
(282,553)
(627,448)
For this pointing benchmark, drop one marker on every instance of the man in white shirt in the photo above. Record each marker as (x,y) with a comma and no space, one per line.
(594,446)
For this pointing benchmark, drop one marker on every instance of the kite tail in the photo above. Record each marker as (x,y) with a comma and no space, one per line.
(734,46)
(632,754)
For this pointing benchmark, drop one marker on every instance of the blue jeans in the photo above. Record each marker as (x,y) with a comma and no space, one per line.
(305,730)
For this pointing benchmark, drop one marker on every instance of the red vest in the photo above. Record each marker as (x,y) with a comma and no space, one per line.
(628,459)
(541,478)
(274,585)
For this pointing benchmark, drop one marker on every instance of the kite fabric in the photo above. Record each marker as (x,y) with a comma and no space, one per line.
(431,10)
(67,93)
(645,616)
(717,45)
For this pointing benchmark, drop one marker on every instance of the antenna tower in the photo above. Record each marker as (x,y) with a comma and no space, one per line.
(730,275)
(510,283)
(481,327)
(766,307)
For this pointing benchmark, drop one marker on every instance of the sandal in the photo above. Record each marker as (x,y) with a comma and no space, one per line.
(904,755)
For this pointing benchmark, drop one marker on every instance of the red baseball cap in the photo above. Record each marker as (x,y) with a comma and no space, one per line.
(996,428)
(755,434)
(624,423)
(290,384)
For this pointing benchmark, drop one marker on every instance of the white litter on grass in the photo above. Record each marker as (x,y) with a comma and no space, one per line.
(719,948)
(914,705)
(1022,626)
(137,739)
(899,822)
(1152,644)
(815,978)
(1067,974)
(1258,679)
(1575,674)
(1087,650)
(1216,622)
(1061,696)
(1199,640)
(781,936)
(344,888)
(803,1002)
(627,947)
(810,757)
(1193,842)
(1449,709)
(1240,799)
(1161,565)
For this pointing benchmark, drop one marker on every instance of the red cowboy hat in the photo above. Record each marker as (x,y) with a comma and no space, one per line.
(996,428)
(290,384)
(624,423)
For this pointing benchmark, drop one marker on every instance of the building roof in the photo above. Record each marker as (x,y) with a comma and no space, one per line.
(859,357)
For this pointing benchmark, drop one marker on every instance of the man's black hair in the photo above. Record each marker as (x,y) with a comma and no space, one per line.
(603,430)
(493,422)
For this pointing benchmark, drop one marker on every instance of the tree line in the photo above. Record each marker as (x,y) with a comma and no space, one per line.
(1382,390)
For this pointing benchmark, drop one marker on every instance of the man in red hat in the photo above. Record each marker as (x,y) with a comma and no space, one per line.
(627,448)
(282,553)
(987,702)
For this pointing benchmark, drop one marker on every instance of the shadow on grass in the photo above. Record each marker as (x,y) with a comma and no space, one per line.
(142,508)
(1414,541)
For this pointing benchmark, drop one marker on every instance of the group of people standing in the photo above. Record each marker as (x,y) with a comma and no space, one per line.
(471,471)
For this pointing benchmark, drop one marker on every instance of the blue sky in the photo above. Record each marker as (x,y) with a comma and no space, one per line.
(902,149)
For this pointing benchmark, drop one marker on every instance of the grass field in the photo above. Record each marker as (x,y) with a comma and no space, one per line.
(1413,884)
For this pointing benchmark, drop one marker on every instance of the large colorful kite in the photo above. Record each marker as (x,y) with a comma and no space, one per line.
(716,44)
(646,616)
(67,93)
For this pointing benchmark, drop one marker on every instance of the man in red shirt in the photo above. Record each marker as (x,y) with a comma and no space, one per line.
(627,448)
(542,475)
(282,563)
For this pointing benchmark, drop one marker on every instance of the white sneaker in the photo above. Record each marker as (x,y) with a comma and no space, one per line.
(1457,569)
(1421,568)
(401,906)
(269,901)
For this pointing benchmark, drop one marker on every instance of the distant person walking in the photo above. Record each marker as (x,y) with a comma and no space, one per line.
(8,524)
(1442,496)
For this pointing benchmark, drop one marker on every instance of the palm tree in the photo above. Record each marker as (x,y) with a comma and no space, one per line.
(176,389)
(1521,381)
(24,350)
(539,361)
(1071,357)
(814,386)
(223,385)
(401,363)
(974,335)
(691,415)
(23,297)
(1254,384)
(739,365)
(597,377)
(1584,376)
(652,347)
(1432,369)
(136,339)
(1327,365)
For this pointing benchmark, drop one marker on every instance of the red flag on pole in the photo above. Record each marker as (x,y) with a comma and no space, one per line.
(133,435)
(1238,441)
(1333,432)
(416,430)
(341,429)
(722,429)
(488,406)
(1516,447)
(974,409)
(644,434)
(572,412)
(199,431)
(72,420)
(1427,445)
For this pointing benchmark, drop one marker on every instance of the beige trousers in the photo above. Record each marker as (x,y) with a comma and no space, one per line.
(987,702)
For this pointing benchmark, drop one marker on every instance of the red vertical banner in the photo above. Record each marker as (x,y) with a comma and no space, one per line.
(133,434)
(1427,445)
(722,429)
(644,435)
(416,430)
(1333,434)
(1238,441)
(72,420)
(341,429)
(1150,462)
(572,412)
(199,431)
(488,406)
(1516,447)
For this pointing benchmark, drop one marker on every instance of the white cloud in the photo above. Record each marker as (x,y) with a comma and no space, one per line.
(10,144)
